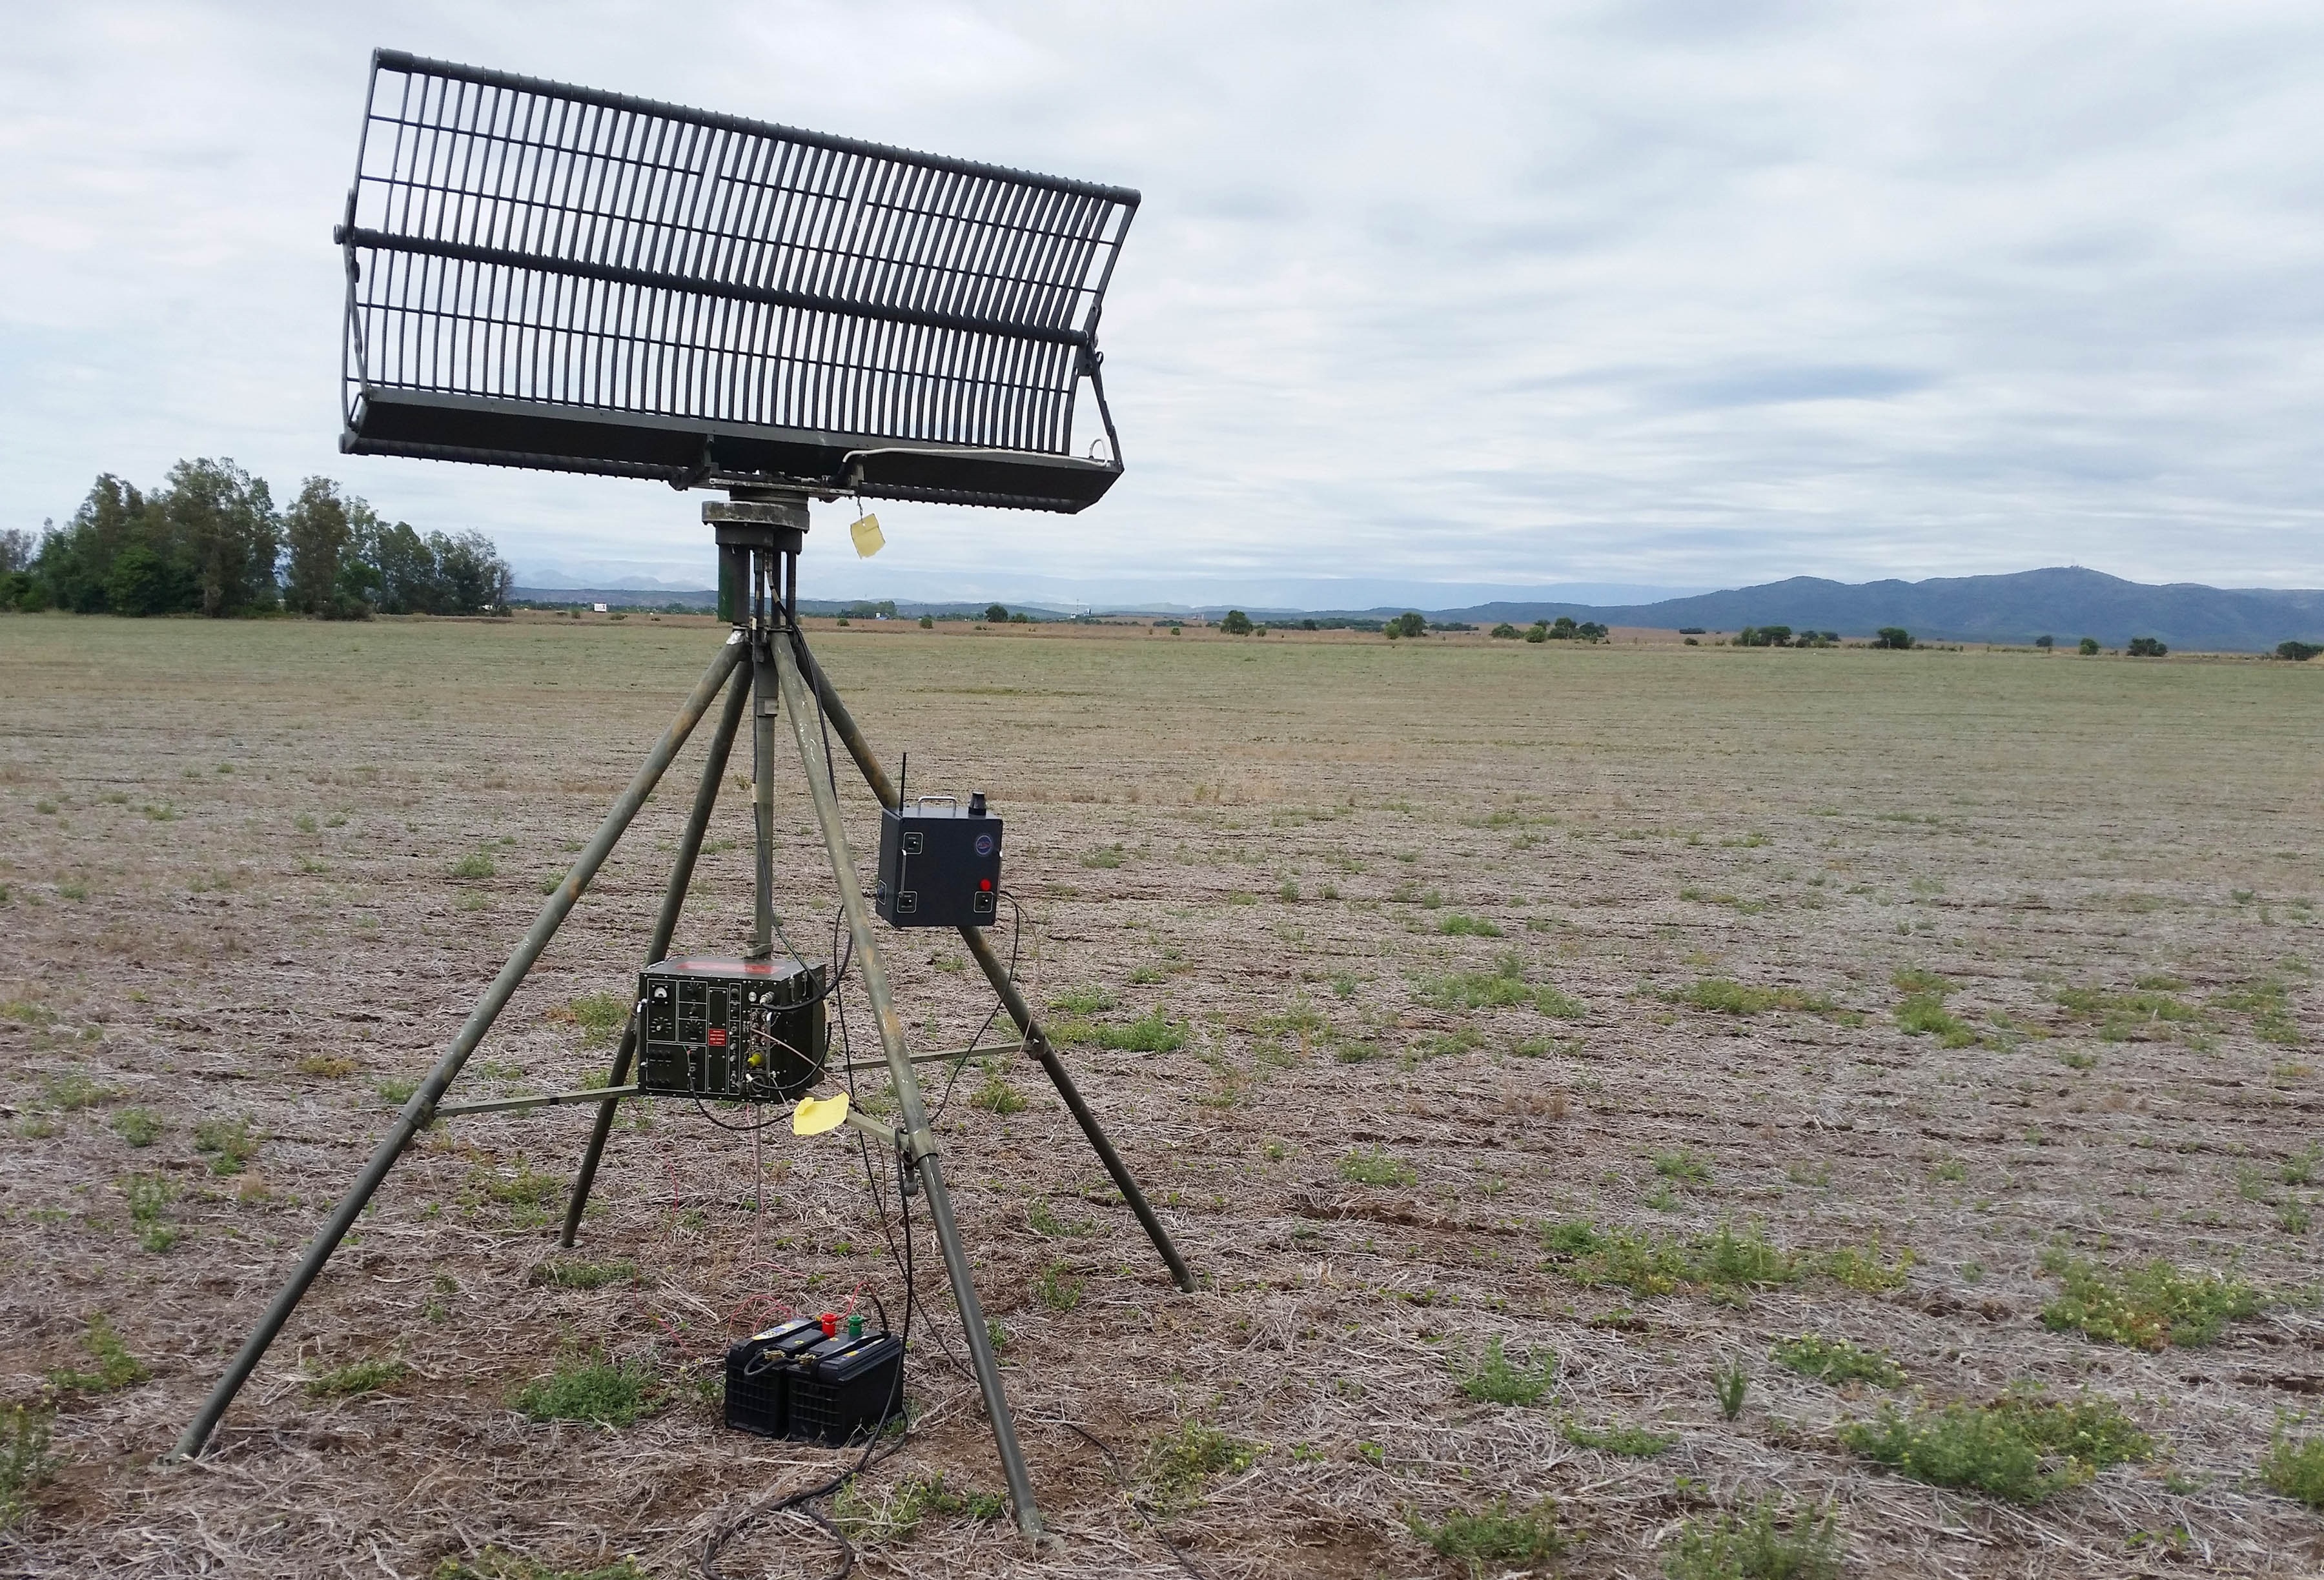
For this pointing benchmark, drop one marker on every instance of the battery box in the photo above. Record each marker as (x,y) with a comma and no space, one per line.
(843,1386)
(939,864)
(794,1381)
(758,1376)
(750,1031)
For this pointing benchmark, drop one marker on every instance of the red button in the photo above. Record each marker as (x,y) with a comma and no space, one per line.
(985,884)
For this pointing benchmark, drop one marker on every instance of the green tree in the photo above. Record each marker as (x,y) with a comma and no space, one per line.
(2089,648)
(141,583)
(1408,624)
(2146,647)
(1895,637)
(1236,624)
(409,580)
(997,614)
(471,577)
(318,532)
(2297,652)
(223,521)
(75,563)
(2045,643)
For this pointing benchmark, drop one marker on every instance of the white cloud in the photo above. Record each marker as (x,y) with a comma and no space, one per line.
(1693,293)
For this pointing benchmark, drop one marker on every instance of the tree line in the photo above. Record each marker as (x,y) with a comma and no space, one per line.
(210,540)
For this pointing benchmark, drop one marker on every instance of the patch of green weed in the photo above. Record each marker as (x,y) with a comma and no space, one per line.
(1499,1378)
(1837,1361)
(376,1376)
(228,1142)
(138,1126)
(1493,1540)
(1764,1541)
(895,1515)
(2023,1449)
(1177,1464)
(2151,1306)
(1629,1441)
(599,1391)
(116,1368)
(1366,1167)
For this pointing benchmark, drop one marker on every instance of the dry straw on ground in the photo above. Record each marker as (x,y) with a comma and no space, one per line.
(1695,888)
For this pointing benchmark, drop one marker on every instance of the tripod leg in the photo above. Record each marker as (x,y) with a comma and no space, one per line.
(416,1112)
(1035,1041)
(673,901)
(913,1132)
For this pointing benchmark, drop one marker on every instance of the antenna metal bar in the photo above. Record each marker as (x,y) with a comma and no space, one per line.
(614,274)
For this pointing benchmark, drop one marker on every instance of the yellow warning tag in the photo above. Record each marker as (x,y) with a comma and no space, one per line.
(869,540)
(814,1115)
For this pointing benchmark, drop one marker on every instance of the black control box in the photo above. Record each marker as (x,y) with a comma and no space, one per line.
(749,1031)
(939,864)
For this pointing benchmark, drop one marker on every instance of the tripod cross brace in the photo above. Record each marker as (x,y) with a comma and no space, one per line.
(765,665)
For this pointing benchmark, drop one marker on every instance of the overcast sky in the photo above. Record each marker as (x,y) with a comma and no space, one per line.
(1690,294)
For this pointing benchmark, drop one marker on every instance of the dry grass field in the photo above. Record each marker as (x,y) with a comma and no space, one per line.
(1529,1045)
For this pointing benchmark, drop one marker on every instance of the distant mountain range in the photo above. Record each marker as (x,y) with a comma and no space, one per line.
(2067,602)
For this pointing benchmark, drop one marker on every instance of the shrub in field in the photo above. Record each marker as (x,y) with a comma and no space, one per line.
(599,1391)
(2296,652)
(895,1516)
(1505,632)
(1500,1538)
(1473,990)
(138,1126)
(1837,1361)
(1629,1441)
(1236,623)
(360,1377)
(2145,648)
(2151,1307)
(25,1462)
(584,1275)
(476,866)
(1893,637)
(1766,1541)
(1499,1378)
(996,1095)
(1730,1383)
(600,1015)
(148,1196)
(1722,996)
(1922,1015)
(228,1142)
(2088,647)
(2023,1447)
(1177,1463)
(1457,925)
(116,1368)
(1366,1167)
(2295,1467)
(1151,1033)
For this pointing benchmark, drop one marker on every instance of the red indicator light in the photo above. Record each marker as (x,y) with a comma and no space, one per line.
(985,884)
(718,1036)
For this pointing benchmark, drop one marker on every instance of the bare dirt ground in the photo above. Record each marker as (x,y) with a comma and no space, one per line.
(227,892)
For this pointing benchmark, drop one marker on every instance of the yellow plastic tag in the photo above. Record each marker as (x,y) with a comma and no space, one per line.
(814,1115)
(868,539)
